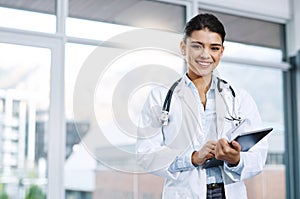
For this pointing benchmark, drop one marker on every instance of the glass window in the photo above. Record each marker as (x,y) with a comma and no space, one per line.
(250,52)
(79,164)
(266,87)
(94,29)
(28,15)
(258,40)
(45,6)
(250,31)
(78,195)
(104,133)
(24,93)
(99,21)
(119,16)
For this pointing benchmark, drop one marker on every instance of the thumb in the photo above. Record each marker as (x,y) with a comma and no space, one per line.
(236,145)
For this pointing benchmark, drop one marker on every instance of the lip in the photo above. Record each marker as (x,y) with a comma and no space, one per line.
(204,63)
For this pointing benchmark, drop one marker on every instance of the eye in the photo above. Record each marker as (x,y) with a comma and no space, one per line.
(196,46)
(215,48)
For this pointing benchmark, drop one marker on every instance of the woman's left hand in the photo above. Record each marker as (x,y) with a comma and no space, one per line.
(228,151)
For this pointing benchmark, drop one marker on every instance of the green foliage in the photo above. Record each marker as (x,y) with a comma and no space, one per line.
(3,195)
(35,192)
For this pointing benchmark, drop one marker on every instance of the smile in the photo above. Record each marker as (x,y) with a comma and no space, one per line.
(204,63)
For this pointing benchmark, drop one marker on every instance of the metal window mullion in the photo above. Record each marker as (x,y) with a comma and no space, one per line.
(61,16)
(297,129)
(56,123)
(56,126)
(291,105)
(276,65)
(27,38)
(289,128)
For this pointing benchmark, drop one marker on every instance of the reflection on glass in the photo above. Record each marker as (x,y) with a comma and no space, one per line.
(249,52)
(94,29)
(81,165)
(134,13)
(24,104)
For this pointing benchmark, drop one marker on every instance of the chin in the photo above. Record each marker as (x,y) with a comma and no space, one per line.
(203,73)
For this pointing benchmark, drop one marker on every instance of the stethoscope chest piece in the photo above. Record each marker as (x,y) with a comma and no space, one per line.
(164,117)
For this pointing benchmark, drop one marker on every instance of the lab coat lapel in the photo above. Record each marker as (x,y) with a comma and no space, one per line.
(192,116)
(188,97)
(220,110)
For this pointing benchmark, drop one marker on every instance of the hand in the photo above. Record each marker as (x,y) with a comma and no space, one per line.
(228,152)
(206,152)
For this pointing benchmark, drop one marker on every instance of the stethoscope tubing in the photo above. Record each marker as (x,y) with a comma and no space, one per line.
(164,117)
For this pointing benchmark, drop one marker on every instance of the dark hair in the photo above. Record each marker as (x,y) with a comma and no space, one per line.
(202,21)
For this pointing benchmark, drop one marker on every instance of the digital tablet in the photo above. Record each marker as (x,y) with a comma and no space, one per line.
(213,162)
(247,140)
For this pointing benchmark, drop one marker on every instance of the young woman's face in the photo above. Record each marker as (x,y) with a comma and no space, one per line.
(203,51)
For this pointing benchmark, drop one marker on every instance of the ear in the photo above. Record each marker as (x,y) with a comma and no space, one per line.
(183,48)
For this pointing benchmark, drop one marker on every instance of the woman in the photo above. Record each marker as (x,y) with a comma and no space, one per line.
(204,110)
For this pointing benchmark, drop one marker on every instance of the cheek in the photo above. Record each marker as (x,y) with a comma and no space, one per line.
(217,58)
(191,55)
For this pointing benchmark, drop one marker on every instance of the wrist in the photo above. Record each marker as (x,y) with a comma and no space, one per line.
(233,164)
(194,159)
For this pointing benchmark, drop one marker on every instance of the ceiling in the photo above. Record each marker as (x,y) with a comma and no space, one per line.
(252,31)
(154,14)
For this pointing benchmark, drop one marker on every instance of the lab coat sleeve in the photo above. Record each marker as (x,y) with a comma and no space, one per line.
(251,162)
(153,154)
(183,162)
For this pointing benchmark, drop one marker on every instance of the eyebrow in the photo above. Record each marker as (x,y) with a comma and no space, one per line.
(213,44)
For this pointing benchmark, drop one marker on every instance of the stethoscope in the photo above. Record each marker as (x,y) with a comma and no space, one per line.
(235,119)
(232,117)
(164,115)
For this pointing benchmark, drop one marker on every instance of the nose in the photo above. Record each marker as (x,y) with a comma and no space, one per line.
(204,53)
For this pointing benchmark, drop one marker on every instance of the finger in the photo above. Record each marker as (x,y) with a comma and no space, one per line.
(211,143)
(209,156)
(213,147)
(223,141)
(219,149)
(222,144)
(236,145)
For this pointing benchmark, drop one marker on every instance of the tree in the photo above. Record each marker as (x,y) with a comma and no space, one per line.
(35,192)
(3,195)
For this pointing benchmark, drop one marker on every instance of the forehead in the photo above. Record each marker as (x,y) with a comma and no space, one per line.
(205,36)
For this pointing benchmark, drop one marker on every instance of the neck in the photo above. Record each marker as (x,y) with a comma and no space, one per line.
(202,83)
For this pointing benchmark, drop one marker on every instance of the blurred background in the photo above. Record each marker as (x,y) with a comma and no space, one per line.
(45,43)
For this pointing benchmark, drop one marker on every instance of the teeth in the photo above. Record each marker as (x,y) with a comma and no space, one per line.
(204,63)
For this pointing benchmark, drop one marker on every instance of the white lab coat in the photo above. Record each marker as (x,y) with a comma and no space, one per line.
(158,147)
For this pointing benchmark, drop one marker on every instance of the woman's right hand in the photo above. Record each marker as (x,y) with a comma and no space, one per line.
(206,152)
